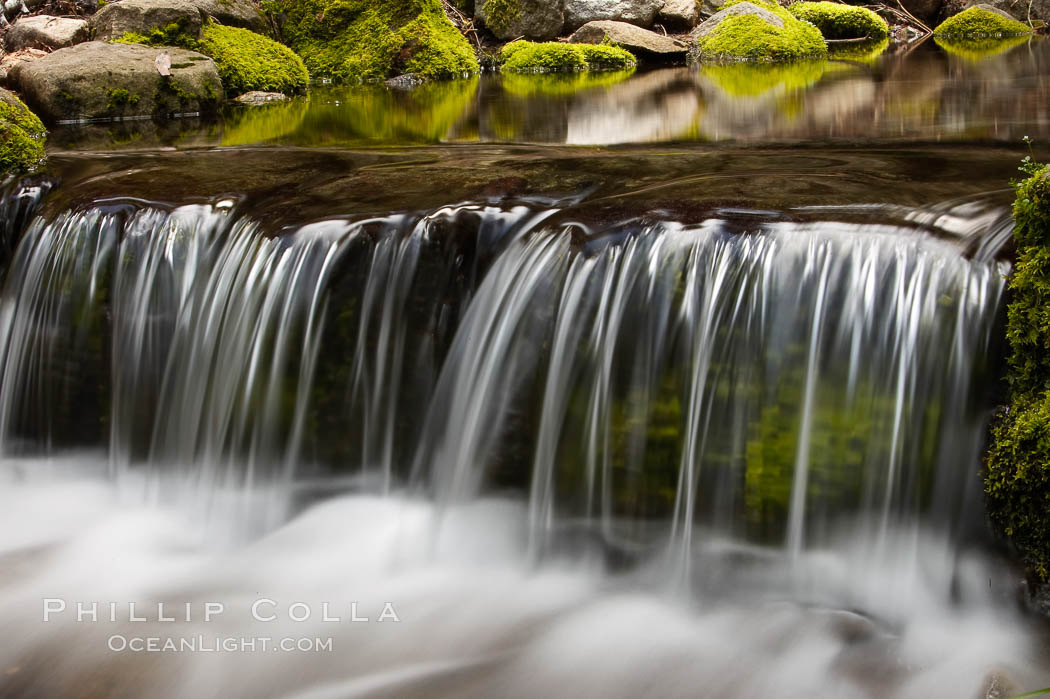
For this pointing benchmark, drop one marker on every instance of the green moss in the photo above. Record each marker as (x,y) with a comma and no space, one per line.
(1017,478)
(837,21)
(174,34)
(120,99)
(554,56)
(561,84)
(249,61)
(501,14)
(22,135)
(245,125)
(976,50)
(364,40)
(751,80)
(748,37)
(978,23)
(866,52)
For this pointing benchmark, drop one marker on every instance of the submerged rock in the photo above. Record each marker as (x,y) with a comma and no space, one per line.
(531,19)
(97,80)
(45,32)
(644,44)
(257,97)
(407,81)
(21,135)
(637,12)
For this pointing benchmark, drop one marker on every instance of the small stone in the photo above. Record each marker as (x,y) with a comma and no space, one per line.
(45,32)
(257,97)
(408,81)
(679,15)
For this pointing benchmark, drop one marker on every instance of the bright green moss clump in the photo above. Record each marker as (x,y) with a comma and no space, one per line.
(1017,480)
(837,21)
(249,61)
(553,56)
(365,40)
(978,23)
(21,135)
(748,37)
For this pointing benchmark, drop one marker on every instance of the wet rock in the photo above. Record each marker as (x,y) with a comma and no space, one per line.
(999,685)
(744,8)
(531,19)
(12,59)
(408,81)
(234,13)
(140,16)
(679,15)
(256,97)
(646,45)
(45,32)
(637,12)
(97,80)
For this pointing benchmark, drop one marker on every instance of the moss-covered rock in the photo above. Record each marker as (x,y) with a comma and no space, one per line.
(553,56)
(1017,478)
(21,135)
(364,40)
(981,21)
(248,61)
(838,21)
(758,31)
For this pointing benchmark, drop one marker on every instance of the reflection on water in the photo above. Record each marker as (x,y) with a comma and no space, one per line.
(986,90)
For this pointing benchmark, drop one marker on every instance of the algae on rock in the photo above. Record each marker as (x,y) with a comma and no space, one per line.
(21,135)
(758,31)
(553,56)
(364,40)
(838,21)
(981,21)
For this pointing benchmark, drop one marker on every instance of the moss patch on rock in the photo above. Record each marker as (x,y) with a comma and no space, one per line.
(837,21)
(553,56)
(750,38)
(248,61)
(501,14)
(22,135)
(977,22)
(364,40)
(1017,477)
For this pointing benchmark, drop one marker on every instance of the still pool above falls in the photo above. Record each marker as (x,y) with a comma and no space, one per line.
(665,421)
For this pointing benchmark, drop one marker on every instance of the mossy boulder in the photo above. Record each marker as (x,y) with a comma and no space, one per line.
(757,31)
(838,21)
(981,21)
(181,18)
(22,135)
(1017,477)
(98,80)
(553,56)
(248,61)
(364,40)
(532,19)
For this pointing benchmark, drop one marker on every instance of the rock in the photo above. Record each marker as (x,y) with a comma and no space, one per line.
(96,80)
(1017,9)
(531,19)
(743,8)
(999,685)
(12,59)
(646,45)
(21,135)
(408,81)
(45,32)
(256,98)
(140,16)
(994,10)
(679,15)
(235,13)
(638,12)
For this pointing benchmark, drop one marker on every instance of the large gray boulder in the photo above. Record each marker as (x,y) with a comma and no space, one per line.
(140,16)
(678,15)
(646,45)
(97,80)
(638,12)
(45,32)
(743,8)
(532,19)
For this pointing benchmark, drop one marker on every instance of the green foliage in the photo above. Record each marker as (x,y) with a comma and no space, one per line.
(22,135)
(748,37)
(837,21)
(978,23)
(976,50)
(500,14)
(1017,479)
(554,56)
(364,40)
(120,99)
(249,61)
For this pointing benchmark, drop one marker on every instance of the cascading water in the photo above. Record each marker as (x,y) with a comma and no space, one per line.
(760,436)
